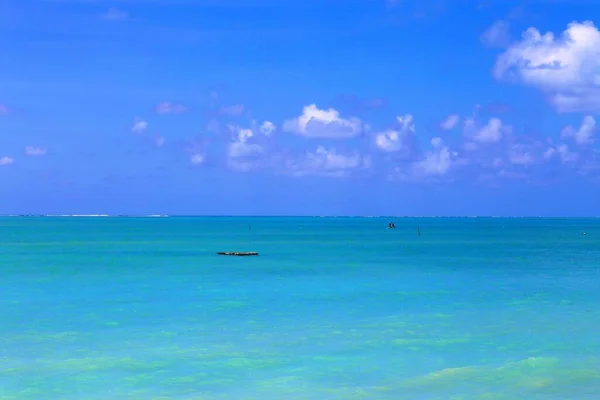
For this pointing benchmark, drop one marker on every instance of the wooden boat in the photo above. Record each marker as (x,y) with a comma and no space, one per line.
(237,253)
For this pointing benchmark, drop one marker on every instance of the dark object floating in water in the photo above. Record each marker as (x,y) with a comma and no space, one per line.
(237,253)
(391,225)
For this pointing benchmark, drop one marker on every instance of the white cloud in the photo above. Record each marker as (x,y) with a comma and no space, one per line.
(267,128)
(549,153)
(139,125)
(496,35)
(242,155)
(390,140)
(567,69)
(437,162)
(159,141)
(328,162)
(234,110)
(115,14)
(243,134)
(197,159)
(248,151)
(243,149)
(450,122)
(491,132)
(170,108)
(585,134)
(562,152)
(6,160)
(393,140)
(316,123)
(518,155)
(34,151)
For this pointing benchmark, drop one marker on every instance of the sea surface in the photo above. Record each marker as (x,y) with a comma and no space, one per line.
(333,308)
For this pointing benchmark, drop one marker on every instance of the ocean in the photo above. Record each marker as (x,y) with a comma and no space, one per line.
(332,308)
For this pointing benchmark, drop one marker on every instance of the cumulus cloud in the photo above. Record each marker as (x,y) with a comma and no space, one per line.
(436,162)
(34,151)
(565,68)
(450,122)
(496,35)
(494,151)
(317,123)
(399,139)
(240,147)
(139,125)
(585,134)
(562,153)
(491,132)
(6,160)
(242,153)
(267,128)
(170,108)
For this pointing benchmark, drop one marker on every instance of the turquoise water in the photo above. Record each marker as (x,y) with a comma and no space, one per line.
(142,308)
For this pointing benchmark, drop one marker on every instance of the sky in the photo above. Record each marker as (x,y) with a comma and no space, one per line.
(300,107)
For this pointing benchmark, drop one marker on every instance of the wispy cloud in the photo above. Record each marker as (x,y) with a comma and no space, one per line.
(234,110)
(139,125)
(326,162)
(197,159)
(33,151)
(361,104)
(6,160)
(585,134)
(170,108)
(496,35)
(159,141)
(114,14)
(450,122)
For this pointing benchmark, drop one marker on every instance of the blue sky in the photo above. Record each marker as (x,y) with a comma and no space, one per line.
(355,107)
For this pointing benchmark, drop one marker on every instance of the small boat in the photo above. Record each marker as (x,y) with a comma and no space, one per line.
(237,253)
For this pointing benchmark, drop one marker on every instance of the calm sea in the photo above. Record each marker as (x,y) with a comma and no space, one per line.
(333,308)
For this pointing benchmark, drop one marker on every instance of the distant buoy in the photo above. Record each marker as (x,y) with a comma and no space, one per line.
(583,233)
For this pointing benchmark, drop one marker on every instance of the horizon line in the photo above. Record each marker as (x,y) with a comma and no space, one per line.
(33,215)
